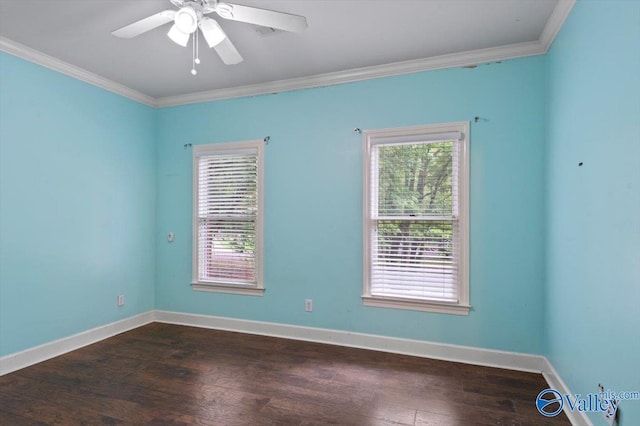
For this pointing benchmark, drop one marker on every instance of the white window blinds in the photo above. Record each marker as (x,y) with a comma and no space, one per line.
(227,215)
(413,217)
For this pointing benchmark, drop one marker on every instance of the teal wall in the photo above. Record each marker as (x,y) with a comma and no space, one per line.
(77,205)
(593,211)
(80,231)
(91,183)
(313,204)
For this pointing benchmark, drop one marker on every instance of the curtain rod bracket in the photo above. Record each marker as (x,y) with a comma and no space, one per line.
(267,139)
(357,130)
(187,145)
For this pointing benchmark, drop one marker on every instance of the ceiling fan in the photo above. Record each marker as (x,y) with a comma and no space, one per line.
(191,18)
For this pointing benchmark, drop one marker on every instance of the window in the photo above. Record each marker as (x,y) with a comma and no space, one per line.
(415,218)
(227,217)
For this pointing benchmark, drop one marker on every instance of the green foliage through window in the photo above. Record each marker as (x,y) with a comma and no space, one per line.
(415,179)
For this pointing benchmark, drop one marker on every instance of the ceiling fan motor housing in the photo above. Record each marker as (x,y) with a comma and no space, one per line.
(204,6)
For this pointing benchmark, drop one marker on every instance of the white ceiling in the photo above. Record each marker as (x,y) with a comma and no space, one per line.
(342,35)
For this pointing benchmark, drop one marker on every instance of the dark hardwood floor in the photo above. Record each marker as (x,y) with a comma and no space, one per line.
(163,374)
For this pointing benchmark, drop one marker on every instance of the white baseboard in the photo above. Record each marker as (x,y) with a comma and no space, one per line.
(22,359)
(442,351)
(577,418)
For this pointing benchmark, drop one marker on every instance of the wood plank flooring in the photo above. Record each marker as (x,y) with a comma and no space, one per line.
(171,375)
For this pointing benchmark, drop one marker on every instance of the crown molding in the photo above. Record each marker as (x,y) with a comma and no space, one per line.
(555,22)
(472,57)
(37,57)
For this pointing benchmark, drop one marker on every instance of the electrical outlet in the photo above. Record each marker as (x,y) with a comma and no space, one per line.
(308,305)
(121,300)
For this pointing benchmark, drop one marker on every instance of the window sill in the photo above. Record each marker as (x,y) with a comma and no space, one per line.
(233,289)
(417,305)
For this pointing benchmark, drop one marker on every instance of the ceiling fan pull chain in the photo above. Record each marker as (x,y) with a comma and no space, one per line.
(196,35)
(193,50)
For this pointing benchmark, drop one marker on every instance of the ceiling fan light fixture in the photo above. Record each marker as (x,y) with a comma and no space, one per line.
(178,36)
(186,20)
(190,18)
(212,32)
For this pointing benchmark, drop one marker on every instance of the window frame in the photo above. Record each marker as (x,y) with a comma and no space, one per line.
(461,307)
(219,149)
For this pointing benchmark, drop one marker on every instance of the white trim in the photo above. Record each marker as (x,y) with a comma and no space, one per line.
(555,22)
(220,288)
(27,357)
(463,214)
(433,350)
(422,133)
(220,148)
(39,58)
(472,57)
(442,351)
(577,418)
(416,305)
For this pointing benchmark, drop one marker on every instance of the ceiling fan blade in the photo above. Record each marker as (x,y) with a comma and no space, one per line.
(212,32)
(227,52)
(146,24)
(262,17)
